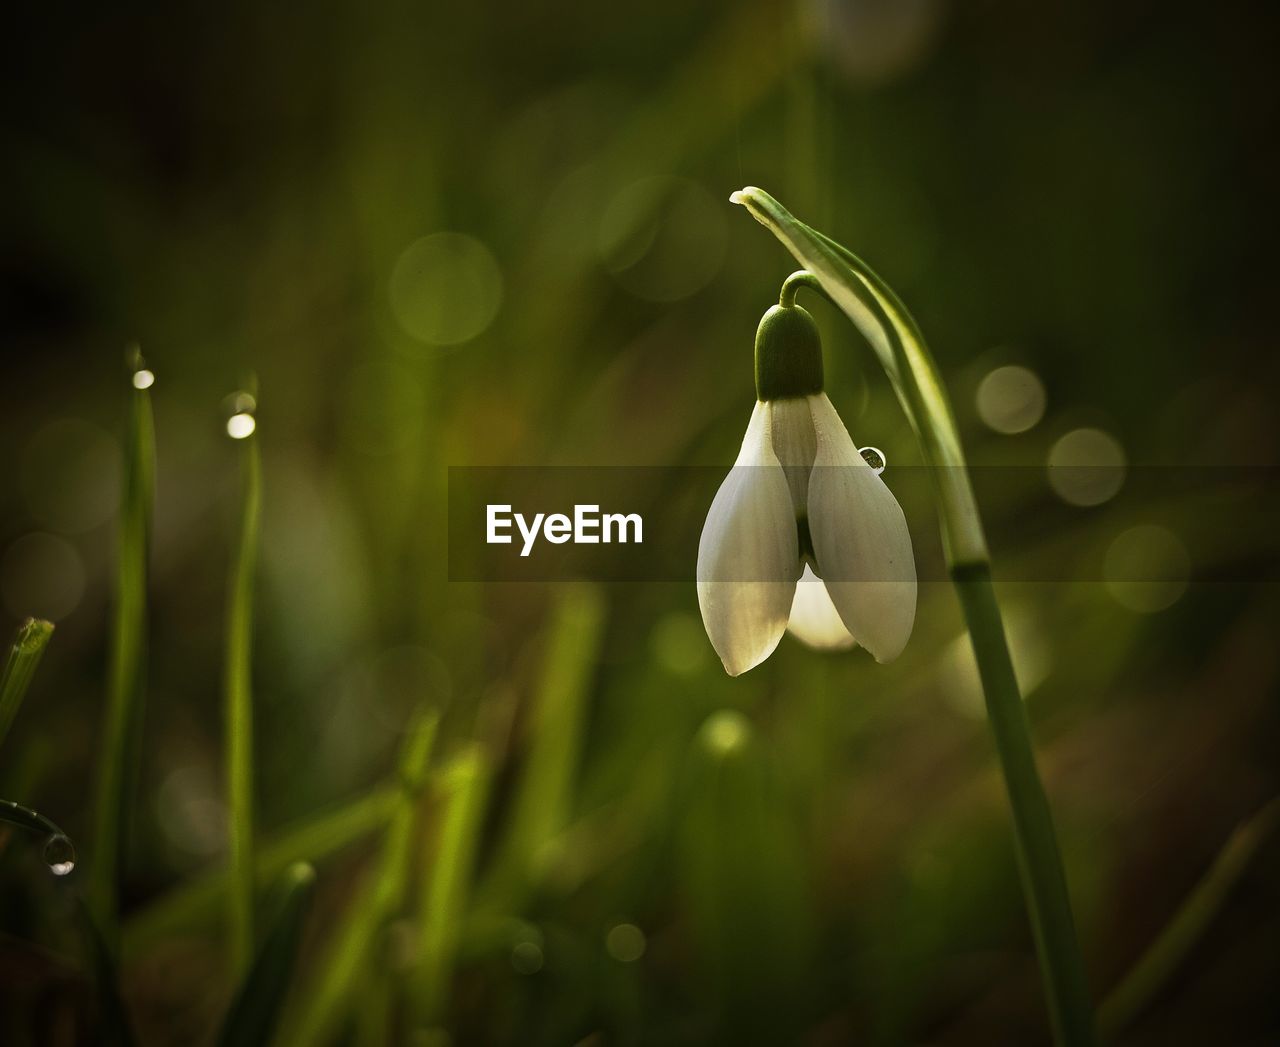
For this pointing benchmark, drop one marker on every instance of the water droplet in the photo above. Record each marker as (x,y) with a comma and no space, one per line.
(60,855)
(241,425)
(143,378)
(875,458)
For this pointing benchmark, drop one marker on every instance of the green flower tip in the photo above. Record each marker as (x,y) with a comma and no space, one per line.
(788,354)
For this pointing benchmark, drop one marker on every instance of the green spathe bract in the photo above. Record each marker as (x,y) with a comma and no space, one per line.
(788,354)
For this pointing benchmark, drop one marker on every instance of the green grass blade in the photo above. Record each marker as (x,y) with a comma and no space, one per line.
(28,647)
(238,691)
(376,1011)
(353,948)
(111,1019)
(738,854)
(121,737)
(1166,954)
(199,902)
(251,1019)
(59,853)
(542,805)
(443,907)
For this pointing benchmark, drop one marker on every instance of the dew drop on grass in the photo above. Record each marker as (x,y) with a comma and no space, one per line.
(60,855)
(241,425)
(875,458)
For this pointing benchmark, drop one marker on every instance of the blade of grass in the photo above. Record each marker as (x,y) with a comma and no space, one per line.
(28,647)
(376,1010)
(328,1000)
(58,850)
(121,738)
(238,687)
(737,853)
(197,903)
(1166,954)
(111,1026)
(543,798)
(443,906)
(251,1019)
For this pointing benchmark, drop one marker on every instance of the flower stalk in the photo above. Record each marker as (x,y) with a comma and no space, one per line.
(879,315)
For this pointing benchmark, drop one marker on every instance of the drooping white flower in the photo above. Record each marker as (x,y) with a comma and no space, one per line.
(803,533)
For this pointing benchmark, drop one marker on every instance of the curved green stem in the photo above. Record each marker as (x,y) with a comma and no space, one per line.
(895,337)
(792,284)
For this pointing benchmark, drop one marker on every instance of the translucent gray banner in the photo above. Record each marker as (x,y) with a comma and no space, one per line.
(1065,524)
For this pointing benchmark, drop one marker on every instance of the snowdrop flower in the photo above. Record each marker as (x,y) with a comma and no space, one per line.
(803,534)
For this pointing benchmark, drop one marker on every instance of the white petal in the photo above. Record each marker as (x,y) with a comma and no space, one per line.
(749,554)
(791,429)
(860,540)
(814,619)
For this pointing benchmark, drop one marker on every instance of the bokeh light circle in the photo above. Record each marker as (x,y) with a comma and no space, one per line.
(1010,399)
(1087,467)
(190,811)
(41,576)
(878,41)
(526,957)
(241,426)
(725,732)
(1146,568)
(625,942)
(663,239)
(445,289)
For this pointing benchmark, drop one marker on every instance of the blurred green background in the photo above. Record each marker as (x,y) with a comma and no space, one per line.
(496,233)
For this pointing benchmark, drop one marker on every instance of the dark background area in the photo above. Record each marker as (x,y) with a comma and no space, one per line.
(1082,191)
